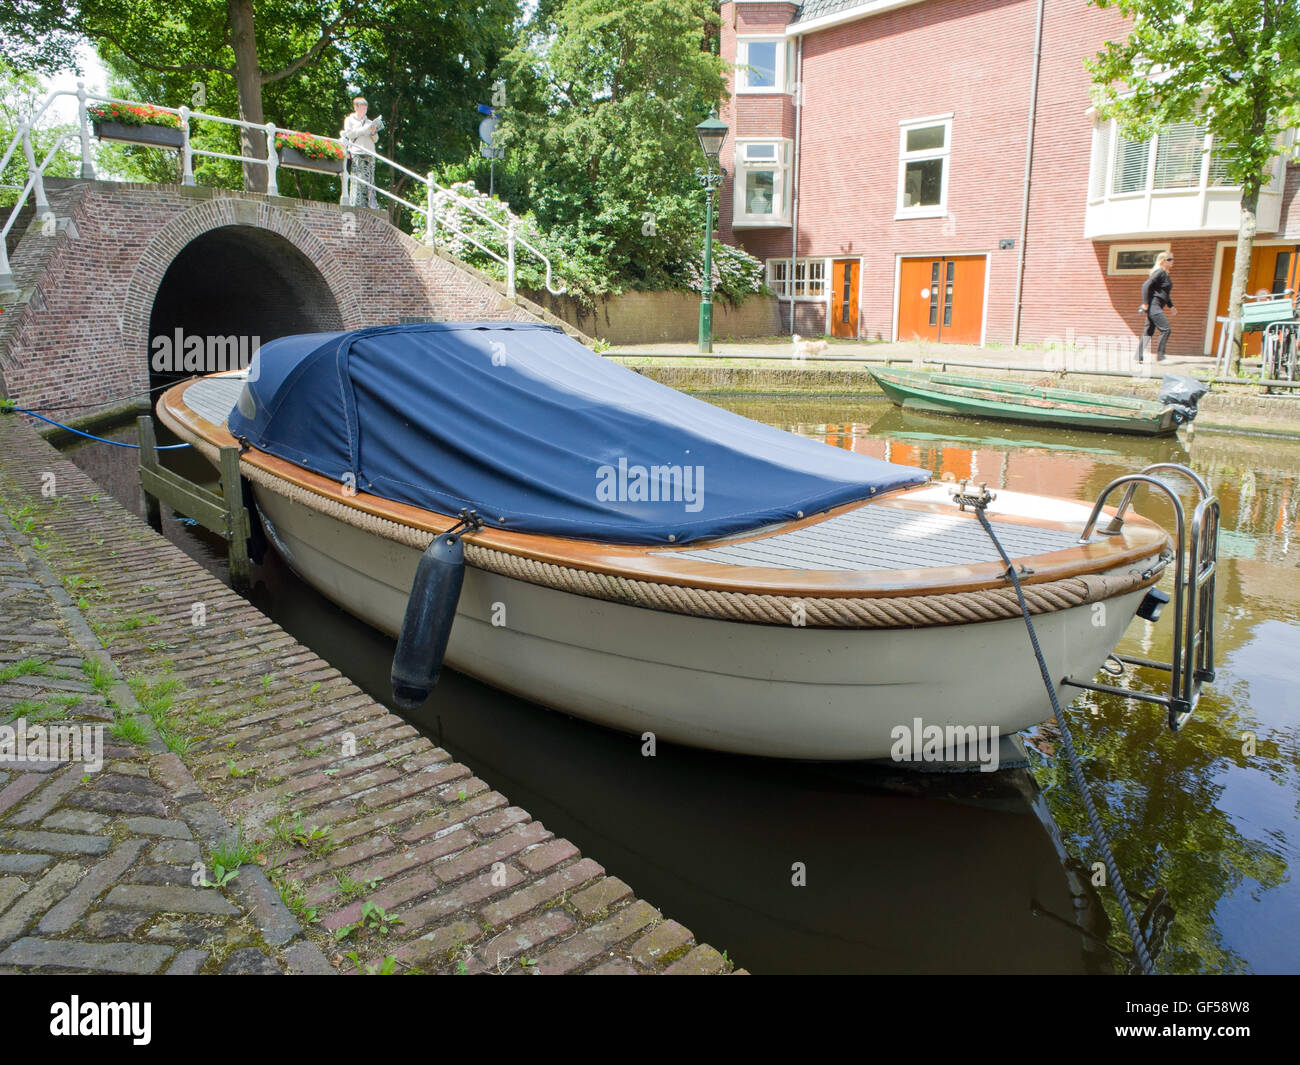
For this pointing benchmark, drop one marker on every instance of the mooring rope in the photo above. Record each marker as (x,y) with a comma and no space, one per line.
(89,436)
(106,402)
(1099,836)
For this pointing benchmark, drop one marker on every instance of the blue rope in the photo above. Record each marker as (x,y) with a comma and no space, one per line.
(89,436)
(1076,769)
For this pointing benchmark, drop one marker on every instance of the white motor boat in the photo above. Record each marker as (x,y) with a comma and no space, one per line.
(813,605)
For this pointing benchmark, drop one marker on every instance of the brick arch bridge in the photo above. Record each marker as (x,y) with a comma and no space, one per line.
(112,266)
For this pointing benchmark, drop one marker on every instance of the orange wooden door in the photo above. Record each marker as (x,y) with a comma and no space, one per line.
(963,317)
(917,280)
(844,298)
(941,299)
(1273,268)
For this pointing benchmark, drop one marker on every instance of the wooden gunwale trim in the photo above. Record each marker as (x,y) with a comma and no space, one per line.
(1140,540)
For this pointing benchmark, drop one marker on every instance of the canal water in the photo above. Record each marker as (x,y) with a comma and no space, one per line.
(857,868)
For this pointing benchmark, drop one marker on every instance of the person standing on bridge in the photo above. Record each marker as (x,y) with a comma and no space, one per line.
(359,132)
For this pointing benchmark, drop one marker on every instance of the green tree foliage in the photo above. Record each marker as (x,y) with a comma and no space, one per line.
(1233,66)
(598,123)
(37,36)
(202,40)
(20,99)
(1161,796)
(314,99)
(423,64)
(601,100)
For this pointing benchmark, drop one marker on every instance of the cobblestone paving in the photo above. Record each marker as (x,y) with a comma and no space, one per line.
(360,845)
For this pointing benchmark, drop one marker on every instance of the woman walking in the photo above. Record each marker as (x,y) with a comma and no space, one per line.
(1156,296)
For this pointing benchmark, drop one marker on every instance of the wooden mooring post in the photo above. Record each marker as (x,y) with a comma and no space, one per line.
(223,514)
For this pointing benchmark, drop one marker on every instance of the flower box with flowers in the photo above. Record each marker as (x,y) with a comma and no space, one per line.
(140,124)
(302,151)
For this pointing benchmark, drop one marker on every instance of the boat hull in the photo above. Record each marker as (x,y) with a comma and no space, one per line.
(1006,407)
(775,691)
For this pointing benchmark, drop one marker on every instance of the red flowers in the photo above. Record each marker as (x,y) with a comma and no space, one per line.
(310,146)
(129,115)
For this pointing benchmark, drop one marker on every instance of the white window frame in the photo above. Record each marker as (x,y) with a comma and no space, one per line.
(783,75)
(1114,271)
(780,215)
(939,210)
(1105,140)
(782,288)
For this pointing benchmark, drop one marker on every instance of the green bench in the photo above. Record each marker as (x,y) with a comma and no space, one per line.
(1258,315)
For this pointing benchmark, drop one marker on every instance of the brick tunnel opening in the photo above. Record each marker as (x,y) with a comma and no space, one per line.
(233,288)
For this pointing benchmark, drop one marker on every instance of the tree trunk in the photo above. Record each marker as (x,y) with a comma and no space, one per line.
(1241,266)
(248,80)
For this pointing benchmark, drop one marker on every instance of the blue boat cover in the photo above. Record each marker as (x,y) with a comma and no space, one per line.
(537,433)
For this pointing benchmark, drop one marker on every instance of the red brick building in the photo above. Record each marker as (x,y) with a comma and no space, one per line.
(884,146)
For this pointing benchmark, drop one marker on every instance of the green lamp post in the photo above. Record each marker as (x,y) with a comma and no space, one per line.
(712,133)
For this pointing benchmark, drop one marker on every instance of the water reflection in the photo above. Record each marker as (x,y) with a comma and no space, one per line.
(1195,815)
(918,873)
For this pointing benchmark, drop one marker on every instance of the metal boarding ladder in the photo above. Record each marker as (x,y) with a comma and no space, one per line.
(1195,564)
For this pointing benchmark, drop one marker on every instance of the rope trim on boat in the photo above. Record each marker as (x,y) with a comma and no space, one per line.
(913,611)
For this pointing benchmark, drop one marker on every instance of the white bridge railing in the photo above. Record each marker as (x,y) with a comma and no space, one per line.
(444,211)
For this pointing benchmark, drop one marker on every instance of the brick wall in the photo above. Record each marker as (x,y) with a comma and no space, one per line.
(860,79)
(751,114)
(809,317)
(758,18)
(973,59)
(1066,283)
(82,334)
(650,317)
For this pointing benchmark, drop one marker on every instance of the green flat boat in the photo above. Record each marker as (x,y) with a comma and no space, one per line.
(1012,401)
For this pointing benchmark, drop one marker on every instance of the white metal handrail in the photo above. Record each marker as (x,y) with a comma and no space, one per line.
(33,182)
(430,211)
(436,198)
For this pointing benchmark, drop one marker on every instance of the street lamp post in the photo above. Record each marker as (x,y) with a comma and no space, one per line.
(711,133)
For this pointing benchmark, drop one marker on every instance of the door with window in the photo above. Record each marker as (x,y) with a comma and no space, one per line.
(1274,268)
(844,298)
(942,299)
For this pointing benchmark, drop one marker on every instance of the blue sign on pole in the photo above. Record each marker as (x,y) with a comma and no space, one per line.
(486,133)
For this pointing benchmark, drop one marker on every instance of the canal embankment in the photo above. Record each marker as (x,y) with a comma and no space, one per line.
(769,368)
(252,810)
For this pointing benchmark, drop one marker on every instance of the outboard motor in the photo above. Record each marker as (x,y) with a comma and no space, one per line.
(1183,393)
(430,612)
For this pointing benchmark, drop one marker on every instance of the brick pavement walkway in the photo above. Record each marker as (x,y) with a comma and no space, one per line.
(359,844)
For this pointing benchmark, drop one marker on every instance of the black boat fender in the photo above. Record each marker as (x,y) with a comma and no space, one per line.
(430,612)
(257,538)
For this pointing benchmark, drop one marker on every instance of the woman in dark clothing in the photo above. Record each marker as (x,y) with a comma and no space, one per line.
(1156,296)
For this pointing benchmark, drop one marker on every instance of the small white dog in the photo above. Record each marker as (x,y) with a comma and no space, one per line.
(804,348)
